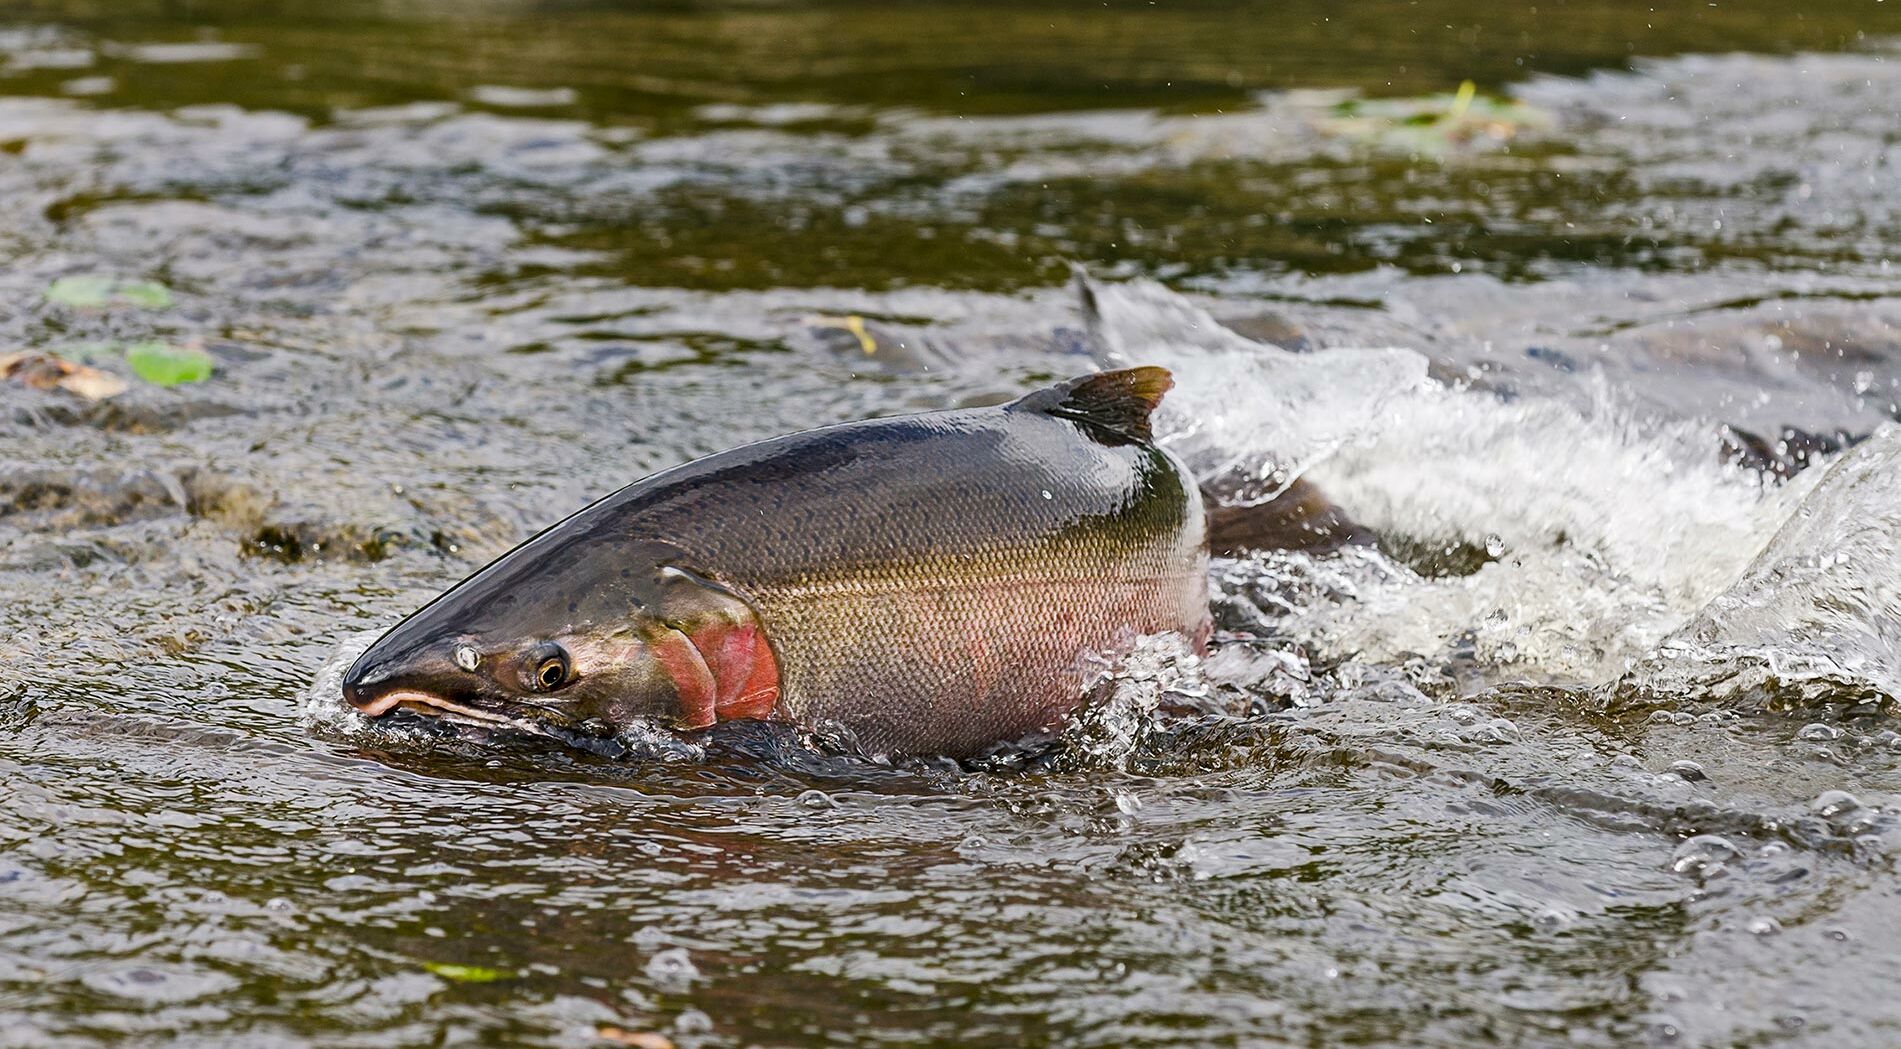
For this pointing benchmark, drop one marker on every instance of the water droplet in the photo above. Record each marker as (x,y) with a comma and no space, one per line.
(672,966)
(467,658)
(1819,733)
(1494,545)
(1665,1033)
(693,1021)
(1704,856)
(1832,803)
(1690,771)
(1762,925)
(1499,730)
(1128,804)
(279,904)
(1551,919)
(817,799)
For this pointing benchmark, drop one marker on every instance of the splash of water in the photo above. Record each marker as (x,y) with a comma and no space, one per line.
(1598,531)
(1816,618)
(1248,418)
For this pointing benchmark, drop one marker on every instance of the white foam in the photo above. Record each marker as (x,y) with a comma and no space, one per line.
(1818,614)
(1616,530)
(1246,417)
(324,707)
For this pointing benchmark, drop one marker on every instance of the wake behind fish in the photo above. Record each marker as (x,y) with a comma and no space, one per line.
(1573,540)
(1816,617)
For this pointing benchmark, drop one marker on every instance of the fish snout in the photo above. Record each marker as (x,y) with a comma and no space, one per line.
(369,686)
(431,676)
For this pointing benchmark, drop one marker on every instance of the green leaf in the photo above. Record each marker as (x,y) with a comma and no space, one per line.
(92,290)
(464,973)
(89,290)
(163,364)
(147,293)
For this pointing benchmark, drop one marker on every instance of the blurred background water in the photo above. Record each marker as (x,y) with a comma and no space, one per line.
(1587,311)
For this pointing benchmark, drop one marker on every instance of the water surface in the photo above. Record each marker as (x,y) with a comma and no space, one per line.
(1592,750)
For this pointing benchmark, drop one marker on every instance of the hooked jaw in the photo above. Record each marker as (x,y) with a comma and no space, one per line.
(377,684)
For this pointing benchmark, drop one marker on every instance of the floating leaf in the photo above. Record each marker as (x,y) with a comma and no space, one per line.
(464,973)
(163,364)
(149,294)
(44,371)
(1433,124)
(92,290)
(637,1039)
(81,291)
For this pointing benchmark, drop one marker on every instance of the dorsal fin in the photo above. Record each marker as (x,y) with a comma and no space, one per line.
(1112,406)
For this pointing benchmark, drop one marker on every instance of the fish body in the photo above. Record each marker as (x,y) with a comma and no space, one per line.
(929,584)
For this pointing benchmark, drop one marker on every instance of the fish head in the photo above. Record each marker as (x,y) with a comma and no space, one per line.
(570,632)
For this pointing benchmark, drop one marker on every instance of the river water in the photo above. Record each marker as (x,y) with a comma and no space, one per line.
(1592,748)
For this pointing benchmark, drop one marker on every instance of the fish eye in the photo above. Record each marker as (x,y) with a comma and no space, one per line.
(549,669)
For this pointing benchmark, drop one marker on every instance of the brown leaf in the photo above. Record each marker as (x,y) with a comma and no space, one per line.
(43,371)
(637,1039)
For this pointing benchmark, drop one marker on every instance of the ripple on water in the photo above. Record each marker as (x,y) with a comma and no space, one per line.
(442,313)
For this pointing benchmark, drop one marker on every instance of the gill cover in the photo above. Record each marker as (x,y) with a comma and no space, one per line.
(710,643)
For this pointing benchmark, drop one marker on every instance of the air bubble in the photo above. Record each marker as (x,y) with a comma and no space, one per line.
(672,966)
(1762,925)
(693,1021)
(1819,733)
(1497,730)
(1832,803)
(817,799)
(1690,771)
(1494,546)
(1128,804)
(1704,856)
(1551,919)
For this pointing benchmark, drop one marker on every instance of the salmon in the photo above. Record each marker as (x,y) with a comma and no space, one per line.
(938,583)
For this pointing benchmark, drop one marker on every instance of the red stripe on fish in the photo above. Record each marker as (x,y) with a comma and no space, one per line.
(742,662)
(757,692)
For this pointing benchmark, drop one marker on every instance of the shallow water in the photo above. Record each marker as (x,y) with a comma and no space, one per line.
(1593,749)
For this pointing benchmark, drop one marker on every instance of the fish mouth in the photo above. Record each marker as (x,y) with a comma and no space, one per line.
(429,704)
(436,708)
